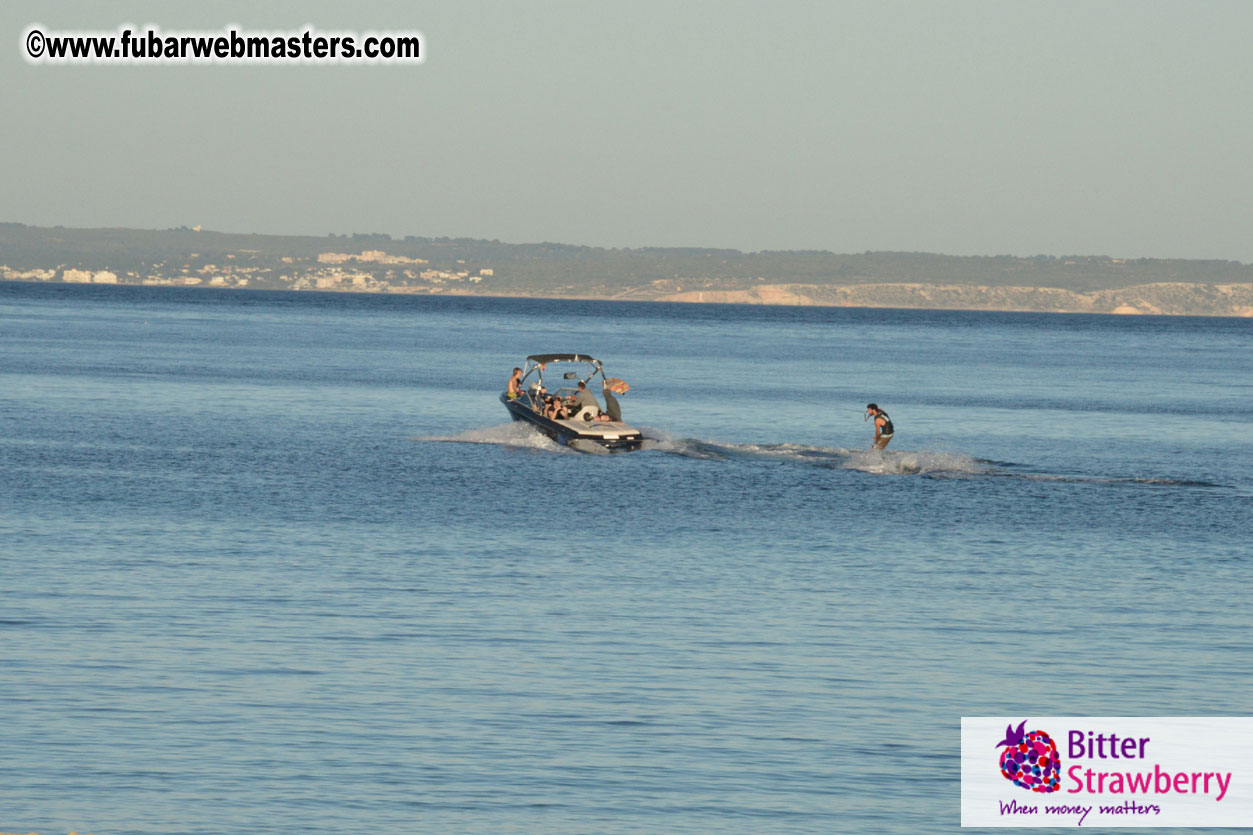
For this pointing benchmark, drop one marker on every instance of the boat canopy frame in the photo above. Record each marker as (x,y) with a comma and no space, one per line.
(536,363)
(546,358)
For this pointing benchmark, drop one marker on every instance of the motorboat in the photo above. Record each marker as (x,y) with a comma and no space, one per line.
(588,428)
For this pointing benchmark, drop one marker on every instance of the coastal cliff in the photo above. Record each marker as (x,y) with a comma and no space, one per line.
(1175,298)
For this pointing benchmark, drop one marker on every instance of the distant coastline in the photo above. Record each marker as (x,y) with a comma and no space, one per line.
(374,263)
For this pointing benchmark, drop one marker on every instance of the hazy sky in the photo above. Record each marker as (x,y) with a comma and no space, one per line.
(1087,127)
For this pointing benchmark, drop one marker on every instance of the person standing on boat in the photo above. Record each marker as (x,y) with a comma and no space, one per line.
(514,389)
(584,399)
(883,429)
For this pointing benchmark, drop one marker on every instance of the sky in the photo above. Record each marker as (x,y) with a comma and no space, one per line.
(968,128)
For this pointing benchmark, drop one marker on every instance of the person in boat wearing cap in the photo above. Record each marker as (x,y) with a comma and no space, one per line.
(883,429)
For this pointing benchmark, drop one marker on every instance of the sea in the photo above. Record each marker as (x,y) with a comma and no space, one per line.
(279,563)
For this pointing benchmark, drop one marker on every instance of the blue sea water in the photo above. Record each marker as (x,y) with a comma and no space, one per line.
(276,562)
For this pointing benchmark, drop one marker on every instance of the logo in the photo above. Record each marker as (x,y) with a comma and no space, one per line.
(1118,771)
(1030,759)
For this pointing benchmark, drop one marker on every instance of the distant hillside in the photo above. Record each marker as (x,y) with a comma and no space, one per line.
(1171,298)
(367,262)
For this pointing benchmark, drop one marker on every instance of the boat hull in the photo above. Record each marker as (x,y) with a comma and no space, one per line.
(612,437)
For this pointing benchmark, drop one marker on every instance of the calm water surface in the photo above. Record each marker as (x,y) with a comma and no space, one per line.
(276,563)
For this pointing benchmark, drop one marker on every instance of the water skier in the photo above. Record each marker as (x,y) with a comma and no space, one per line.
(883,428)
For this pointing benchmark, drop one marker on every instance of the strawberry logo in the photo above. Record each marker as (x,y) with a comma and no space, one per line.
(1030,760)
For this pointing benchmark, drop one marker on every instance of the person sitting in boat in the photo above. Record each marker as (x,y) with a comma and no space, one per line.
(514,389)
(583,400)
(554,407)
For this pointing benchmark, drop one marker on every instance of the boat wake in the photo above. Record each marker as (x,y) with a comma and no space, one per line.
(522,436)
(513,434)
(894,462)
(1081,479)
(926,463)
(516,435)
